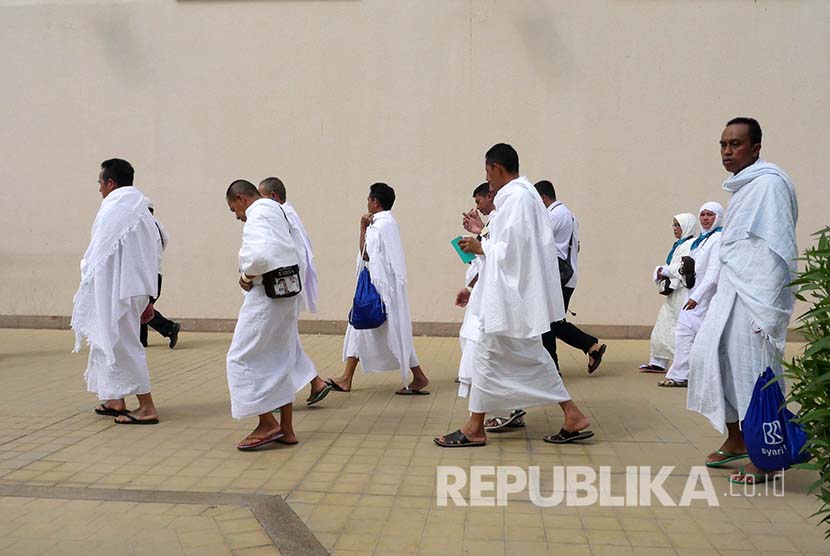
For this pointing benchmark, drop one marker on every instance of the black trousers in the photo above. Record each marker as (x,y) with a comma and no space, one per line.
(566,332)
(160,324)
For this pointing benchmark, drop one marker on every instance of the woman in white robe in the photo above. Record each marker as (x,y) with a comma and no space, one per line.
(662,336)
(266,363)
(705,251)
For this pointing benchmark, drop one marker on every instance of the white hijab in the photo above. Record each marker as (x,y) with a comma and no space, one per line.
(688,224)
(715,207)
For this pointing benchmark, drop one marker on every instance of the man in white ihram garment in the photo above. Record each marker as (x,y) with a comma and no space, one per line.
(274,188)
(388,347)
(662,335)
(468,334)
(705,251)
(266,362)
(517,296)
(119,281)
(745,329)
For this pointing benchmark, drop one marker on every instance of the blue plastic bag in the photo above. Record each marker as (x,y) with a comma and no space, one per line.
(772,440)
(368,310)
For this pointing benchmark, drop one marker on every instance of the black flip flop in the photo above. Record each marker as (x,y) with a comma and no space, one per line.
(318,397)
(458,439)
(407,391)
(563,436)
(596,355)
(334,385)
(286,442)
(110,412)
(133,420)
(651,369)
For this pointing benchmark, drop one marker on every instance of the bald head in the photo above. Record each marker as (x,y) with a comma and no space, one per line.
(273,188)
(243,188)
(241,194)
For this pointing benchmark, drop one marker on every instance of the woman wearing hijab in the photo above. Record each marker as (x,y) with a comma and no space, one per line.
(670,282)
(705,250)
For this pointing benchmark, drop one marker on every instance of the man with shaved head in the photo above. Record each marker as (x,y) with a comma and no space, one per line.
(266,362)
(274,188)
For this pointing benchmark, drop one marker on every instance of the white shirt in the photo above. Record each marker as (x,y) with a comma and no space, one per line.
(564,224)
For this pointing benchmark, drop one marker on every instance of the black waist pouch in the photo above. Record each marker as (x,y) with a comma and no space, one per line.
(282,282)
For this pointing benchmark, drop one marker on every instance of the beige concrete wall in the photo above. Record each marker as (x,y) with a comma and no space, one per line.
(619,103)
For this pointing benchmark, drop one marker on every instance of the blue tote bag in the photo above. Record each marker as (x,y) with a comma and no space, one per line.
(368,310)
(772,439)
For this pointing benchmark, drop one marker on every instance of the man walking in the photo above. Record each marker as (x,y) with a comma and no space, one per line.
(266,362)
(274,189)
(566,234)
(389,346)
(516,301)
(119,281)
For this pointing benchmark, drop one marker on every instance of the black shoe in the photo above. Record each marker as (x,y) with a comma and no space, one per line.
(174,335)
(144,343)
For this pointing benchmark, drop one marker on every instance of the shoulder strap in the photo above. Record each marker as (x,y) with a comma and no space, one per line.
(571,241)
(573,224)
(285,216)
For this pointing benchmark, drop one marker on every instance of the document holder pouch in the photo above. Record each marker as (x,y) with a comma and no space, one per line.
(282,282)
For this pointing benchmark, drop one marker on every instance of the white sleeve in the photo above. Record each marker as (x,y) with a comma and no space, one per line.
(706,289)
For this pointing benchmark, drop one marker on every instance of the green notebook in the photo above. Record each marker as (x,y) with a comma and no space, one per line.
(466,258)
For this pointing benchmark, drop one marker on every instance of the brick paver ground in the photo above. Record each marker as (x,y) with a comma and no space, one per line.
(363,478)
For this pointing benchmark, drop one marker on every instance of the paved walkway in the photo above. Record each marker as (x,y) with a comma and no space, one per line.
(363,479)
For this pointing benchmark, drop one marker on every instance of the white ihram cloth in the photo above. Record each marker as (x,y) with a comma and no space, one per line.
(389,346)
(517,296)
(707,268)
(309,277)
(469,332)
(266,362)
(745,328)
(662,335)
(119,273)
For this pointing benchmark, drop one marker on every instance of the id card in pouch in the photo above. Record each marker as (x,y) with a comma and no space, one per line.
(282,282)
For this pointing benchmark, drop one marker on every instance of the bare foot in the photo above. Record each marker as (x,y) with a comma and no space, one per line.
(317,386)
(289,438)
(474,435)
(576,424)
(419,385)
(142,414)
(750,474)
(729,447)
(259,434)
(115,405)
(343,384)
